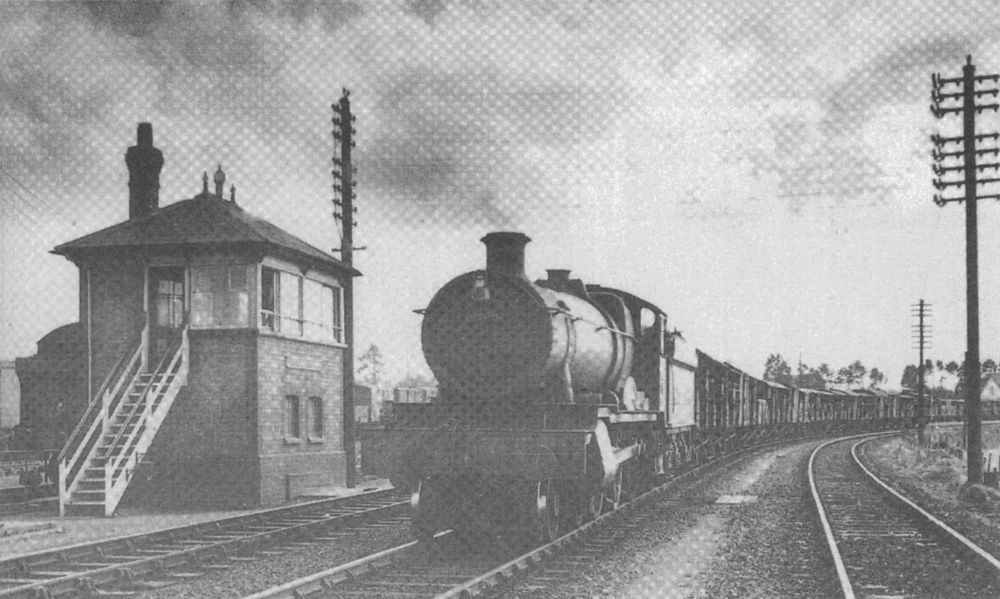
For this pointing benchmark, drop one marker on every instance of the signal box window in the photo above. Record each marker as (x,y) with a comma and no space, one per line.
(220,296)
(292,430)
(298,307)
(316,417)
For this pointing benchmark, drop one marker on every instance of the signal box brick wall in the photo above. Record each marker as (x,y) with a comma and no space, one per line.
(288,367)
(205,453)
(117,315)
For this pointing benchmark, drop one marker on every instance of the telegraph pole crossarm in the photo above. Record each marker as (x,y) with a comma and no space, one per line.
(969,152)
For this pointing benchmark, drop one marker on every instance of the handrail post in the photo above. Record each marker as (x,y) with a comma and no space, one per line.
(63,469)
(144,344)
(107,483)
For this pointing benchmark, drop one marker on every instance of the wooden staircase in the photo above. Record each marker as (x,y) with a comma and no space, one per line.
(96,465)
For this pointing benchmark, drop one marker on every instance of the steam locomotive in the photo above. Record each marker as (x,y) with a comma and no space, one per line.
(560,399)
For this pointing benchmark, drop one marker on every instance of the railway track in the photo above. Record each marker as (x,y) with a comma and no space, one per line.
(450,568)
(153,560)
(884,546)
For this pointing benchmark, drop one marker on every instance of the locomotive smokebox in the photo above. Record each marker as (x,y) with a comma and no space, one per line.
(505,253)
(493,334)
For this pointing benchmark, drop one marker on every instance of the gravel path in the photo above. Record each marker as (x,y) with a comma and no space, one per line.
(692,547)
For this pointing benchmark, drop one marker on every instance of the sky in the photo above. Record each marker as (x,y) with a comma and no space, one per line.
(759,170)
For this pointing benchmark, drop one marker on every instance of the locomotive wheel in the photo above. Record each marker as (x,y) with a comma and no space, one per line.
(548,512)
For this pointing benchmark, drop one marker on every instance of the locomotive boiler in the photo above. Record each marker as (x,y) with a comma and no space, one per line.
(553,395)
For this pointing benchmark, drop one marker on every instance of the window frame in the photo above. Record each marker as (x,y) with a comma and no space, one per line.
(228,266)
(317,426)
(292,403)
(275,273)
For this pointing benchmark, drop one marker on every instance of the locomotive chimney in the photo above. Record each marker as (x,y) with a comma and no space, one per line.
(505,253)
(144,164)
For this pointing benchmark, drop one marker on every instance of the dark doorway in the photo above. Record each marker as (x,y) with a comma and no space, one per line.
(167,313)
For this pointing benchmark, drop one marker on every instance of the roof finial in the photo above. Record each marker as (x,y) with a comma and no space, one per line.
(232,193)
(204,183)
(220,180)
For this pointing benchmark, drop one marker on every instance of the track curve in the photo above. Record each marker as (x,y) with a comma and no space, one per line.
(883,545)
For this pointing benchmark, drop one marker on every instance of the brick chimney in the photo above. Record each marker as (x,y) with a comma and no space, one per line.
(144,164)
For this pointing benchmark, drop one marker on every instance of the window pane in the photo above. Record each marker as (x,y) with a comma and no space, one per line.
(338,325)
(220,296)
(316,416)
(201,309)
(288,297)
(292,416)
(317,305)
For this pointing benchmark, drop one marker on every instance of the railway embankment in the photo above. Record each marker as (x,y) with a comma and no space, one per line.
(934,478)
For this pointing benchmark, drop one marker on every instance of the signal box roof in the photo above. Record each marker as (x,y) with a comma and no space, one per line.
(205,221)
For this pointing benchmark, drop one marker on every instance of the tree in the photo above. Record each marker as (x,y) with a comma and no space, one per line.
(989,366)
(371,365)
(809,378)
(876,377)
(951,367)
(776,369)
(416,381)
(852,374)
(911,377)
(825,373)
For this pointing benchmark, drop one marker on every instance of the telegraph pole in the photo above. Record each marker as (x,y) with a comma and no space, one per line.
(343,130)
(922,338)
(969,152)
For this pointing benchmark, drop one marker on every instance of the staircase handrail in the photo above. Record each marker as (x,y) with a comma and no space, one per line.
(173,352)
(117,470)
(94,401)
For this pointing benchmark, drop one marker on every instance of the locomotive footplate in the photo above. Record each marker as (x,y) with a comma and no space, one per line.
(530,443)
